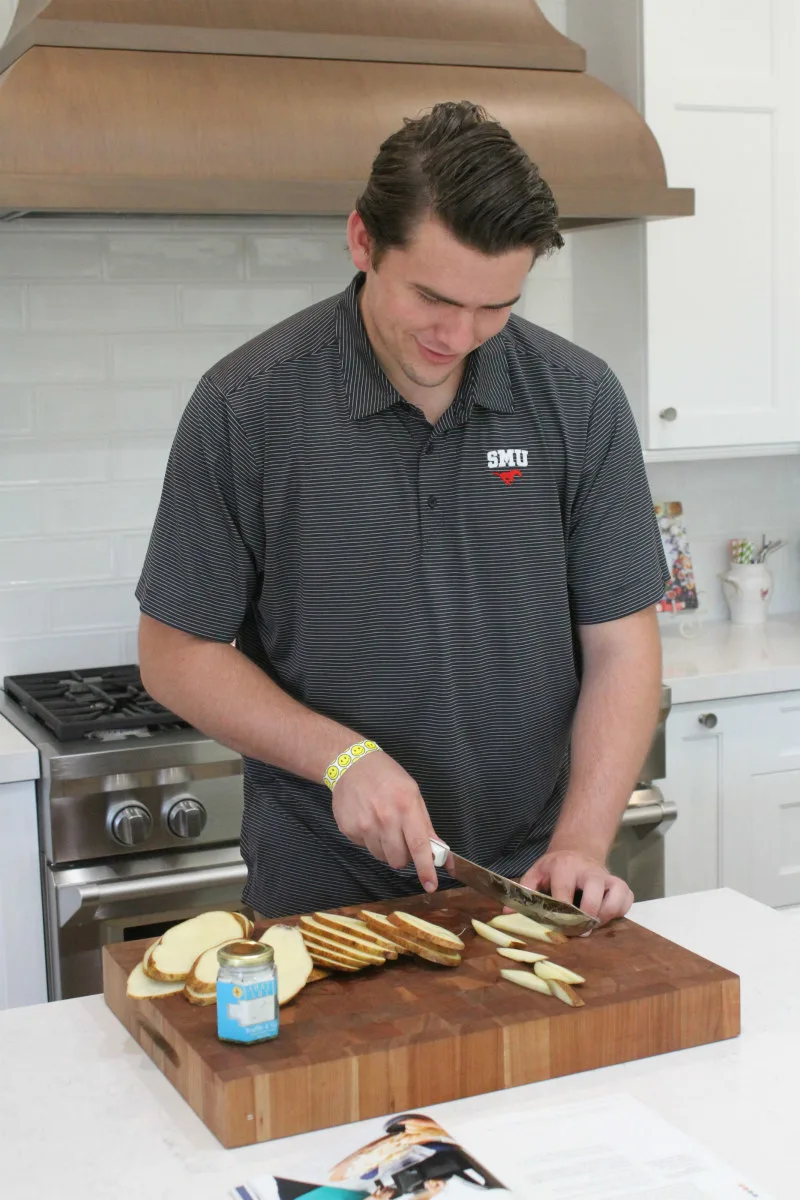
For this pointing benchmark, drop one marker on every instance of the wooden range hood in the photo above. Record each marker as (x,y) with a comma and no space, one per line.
(278,106)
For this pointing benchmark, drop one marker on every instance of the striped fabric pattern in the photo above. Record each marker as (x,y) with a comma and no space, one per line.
(420,584)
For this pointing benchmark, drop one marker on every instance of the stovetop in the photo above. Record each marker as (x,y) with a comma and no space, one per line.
(90,703)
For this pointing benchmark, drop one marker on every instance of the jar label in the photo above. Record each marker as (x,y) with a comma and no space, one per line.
(247,1012)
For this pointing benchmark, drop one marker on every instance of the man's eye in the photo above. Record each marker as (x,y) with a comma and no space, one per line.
(427,299)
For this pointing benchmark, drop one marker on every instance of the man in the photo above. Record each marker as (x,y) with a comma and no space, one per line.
(426,525)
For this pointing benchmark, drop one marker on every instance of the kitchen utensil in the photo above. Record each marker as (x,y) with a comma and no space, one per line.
(570,919)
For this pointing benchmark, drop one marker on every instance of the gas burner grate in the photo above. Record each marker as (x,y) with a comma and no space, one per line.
(75,704)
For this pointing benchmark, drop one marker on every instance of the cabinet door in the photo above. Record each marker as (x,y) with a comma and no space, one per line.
(693,783)
(721,97)
(22,960)
(761,784)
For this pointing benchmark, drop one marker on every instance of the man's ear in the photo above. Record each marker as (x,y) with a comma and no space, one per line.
(359,242)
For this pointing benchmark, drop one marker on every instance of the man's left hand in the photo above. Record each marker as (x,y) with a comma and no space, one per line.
(563,872)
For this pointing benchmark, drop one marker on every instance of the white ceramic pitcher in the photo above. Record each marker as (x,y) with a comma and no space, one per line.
(747,588)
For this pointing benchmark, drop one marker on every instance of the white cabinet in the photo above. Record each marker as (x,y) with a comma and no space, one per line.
(733,770)
(699,315)
(22,962)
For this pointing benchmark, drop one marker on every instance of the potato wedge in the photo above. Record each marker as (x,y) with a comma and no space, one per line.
(496,935)
(528,980)
(522,926)
(564,993)
(552,971)
(142,987)
(525,956)
(426,933)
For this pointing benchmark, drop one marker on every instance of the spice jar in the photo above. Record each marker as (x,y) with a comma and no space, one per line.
(247,993)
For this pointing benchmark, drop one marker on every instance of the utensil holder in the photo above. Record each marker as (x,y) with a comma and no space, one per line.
(747,588)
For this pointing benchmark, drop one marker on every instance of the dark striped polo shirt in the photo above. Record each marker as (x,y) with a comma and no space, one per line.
(420,584)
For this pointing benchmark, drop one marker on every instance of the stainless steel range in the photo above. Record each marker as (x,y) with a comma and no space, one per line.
(139,816)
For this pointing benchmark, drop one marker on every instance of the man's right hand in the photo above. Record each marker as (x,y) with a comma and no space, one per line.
(377,804)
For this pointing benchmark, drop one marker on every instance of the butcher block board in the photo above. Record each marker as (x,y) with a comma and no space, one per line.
(412,1034)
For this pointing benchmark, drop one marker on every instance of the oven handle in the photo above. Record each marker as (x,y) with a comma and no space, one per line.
(659,812)
(72,899)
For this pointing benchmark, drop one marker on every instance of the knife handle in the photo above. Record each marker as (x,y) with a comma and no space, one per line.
(440,852)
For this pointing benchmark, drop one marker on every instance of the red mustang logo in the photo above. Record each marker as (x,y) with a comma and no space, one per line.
(508,477)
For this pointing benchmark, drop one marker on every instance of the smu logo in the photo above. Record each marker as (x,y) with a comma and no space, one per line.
(510,460)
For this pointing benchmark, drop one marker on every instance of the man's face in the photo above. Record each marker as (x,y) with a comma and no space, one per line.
(428,305)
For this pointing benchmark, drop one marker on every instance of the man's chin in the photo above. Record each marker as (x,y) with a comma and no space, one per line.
(427,376)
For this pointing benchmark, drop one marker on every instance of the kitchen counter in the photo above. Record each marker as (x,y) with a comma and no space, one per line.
(722,660)
(85,1114)
(19,758)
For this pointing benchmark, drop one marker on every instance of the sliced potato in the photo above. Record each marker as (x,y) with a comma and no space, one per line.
(381,924)
(495,935)
(426,933)
(292,959)
(524,927)
(318,974)
(174,953)
(552,971)
(526,956)
(343,938)
(247,925)
(334,962)
(528,980)
(364,958)
(203,974)
(563,992)
(199,998)
(410,945)
(339,923)
(142,987)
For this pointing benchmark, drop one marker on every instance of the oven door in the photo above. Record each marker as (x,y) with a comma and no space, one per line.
(637,855)
(122,900)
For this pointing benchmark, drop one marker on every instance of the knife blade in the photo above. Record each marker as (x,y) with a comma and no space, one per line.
(570,919)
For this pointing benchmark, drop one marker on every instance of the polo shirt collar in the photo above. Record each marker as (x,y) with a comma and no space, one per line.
(486,380)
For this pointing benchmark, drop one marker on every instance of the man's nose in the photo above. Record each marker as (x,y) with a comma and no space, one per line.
(458,331)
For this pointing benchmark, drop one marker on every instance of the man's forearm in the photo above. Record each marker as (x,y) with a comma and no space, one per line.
(613,727)
(227,697)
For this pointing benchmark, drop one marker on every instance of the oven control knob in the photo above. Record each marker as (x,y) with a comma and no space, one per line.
(187,818)
(132,825)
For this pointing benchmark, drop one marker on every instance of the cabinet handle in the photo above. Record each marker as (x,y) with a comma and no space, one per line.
(668,414)
(708,720)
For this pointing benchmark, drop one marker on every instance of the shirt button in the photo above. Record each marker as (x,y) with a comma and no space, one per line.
(432,501)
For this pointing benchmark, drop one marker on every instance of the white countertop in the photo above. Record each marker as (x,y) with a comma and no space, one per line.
(85,1115)
(19,758)
(721,660)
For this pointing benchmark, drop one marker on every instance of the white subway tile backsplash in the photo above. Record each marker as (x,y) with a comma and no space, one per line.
(62,651)
(101,408)
(99,307)
(129,552)
(11,308)
(21,511)
(41,559)
(23,610)
(242,307)
(43,358)
(170,356)
(96,606)
(35,253)
(106,325)
(16,410)
(108,507)
(139,457)
(174,257)
(35,460)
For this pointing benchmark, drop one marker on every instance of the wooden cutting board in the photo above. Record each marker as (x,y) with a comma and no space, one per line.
(412,1034)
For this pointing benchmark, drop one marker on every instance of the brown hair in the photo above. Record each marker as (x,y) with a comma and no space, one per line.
(459,165)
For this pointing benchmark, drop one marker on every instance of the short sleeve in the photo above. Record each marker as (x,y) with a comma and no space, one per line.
(206,549)
(616,563)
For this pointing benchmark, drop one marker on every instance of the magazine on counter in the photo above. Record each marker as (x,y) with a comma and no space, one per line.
(610,1148)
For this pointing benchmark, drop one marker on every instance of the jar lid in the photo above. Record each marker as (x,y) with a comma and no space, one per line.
(245,953)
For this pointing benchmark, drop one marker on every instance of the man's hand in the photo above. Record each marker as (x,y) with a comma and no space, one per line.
(377,804)
(563,872)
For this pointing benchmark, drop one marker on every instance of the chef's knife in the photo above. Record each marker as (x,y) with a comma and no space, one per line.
(537,905)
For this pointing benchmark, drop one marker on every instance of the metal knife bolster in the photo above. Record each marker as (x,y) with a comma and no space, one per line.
(536,905)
